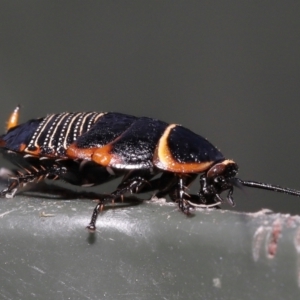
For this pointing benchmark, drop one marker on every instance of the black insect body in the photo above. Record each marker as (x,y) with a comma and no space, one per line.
(150,155)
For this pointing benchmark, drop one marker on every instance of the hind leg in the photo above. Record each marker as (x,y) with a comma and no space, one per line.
(26,176)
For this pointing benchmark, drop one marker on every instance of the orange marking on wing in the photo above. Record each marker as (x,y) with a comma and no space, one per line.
(13,119)
(104,157)
(80,153)
(24,148)
(163,158)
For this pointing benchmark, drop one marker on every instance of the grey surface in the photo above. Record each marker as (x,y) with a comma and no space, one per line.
(150,251)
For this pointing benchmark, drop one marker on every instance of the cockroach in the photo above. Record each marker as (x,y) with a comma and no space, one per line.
(91,148)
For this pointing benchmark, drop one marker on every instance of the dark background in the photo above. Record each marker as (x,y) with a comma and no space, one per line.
(230,71)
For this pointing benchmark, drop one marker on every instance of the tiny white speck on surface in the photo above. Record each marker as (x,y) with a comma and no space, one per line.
(217,283)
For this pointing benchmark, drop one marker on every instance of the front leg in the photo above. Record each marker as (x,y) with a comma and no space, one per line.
(179,194)
(183,204)
(207,192)
(186,201)
(210,190)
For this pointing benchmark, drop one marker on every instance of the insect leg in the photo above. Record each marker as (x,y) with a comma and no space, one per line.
(175,185)
(99,207)
(135,182)
(167,183)
(132,182)
(185,200)
(181,195)
(32,174)
(164,184)
(11,190)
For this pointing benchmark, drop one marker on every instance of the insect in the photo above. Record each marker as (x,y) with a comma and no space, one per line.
(91,148)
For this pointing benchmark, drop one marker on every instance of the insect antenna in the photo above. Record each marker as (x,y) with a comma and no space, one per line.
(266,186)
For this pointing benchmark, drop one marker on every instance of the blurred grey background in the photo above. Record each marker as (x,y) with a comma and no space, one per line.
(229,71)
